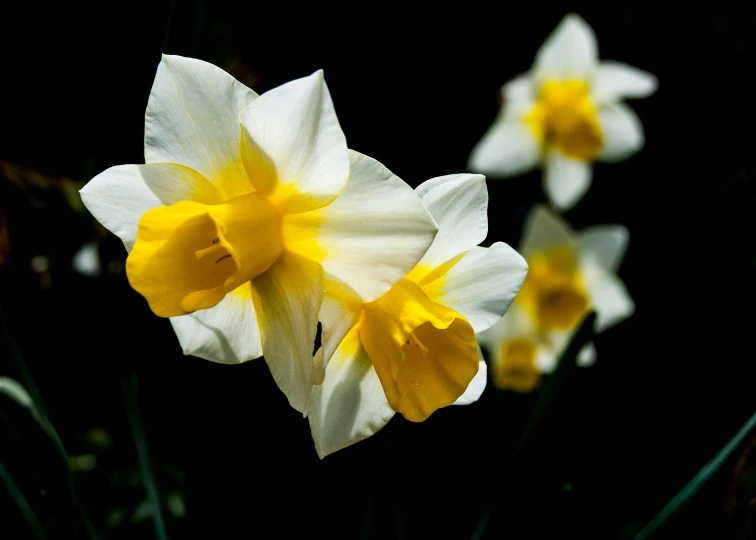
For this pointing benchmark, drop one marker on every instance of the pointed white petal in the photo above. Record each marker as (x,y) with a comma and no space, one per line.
(370,236)
(615,80)
(119,196)
(192,118)
(610,299)
(587,356)
(543,230)
(477,384)
(515,323)
(226,333)
(287,298)
(603,246)
(339,312)
(508,148)
(622,132)
(350,405)
(482,285)
(294,130)
(565,179)
(459,205)
(518,96)
(570,52)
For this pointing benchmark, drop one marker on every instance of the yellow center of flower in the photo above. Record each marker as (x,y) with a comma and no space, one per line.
(553,292)
(516,368)
(424,353)
(565,118)
(188,255)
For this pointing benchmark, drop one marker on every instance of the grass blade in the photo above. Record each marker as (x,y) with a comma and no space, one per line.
(131,394)
(692,487)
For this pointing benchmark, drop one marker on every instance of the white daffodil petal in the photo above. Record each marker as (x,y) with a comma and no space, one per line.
(508,148)
(477,384)
(287,298)
(192,118)
(119,196)
(339,312)
(514,324)
(587,356)
(296,129)
(615,80)
(546,358)
(518,96)
(350,405)
(370,236)
(610,299)
(570,52)
(482,285)
(226,333)
(565,179)
(543,230)
(459,205)
(603,246)
(622,131)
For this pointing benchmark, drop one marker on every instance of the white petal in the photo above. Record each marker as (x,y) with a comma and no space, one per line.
(610,299)
(565,179)
(587,355)
(622,132)
(295,127)
(350,405)
(615,80)
(543,230)
(482,285)
(226,333)
(546,359)
(119,196)
(508,148)
(459,205)
(570,52)
(192,118)
(603,246)
(370,236)
(477,384)
(339,312)
(518,96)
(514,324)
(287,298)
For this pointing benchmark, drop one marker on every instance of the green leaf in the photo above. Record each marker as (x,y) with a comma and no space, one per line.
(692,487)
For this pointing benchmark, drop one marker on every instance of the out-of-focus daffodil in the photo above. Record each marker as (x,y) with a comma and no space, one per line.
(413,350)
(241,217)
(569,274)
(565,114)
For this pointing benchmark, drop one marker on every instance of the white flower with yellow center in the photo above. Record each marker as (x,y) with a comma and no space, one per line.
(569,274)
(565,114)
(242,214)
(413,350)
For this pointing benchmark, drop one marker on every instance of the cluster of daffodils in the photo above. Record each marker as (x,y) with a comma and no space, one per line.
(564,114)
(251,222)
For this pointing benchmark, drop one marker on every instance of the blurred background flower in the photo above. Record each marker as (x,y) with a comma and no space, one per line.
(565,114)
(569,275)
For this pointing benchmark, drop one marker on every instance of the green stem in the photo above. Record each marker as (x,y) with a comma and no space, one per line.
(22,503)
(131,394)
(692,487)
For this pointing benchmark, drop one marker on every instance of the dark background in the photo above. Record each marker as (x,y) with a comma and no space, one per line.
(415,90)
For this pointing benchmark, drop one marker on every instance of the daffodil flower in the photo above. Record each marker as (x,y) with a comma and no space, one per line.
(565,114)
(413,350)
(569,274)
(246,208)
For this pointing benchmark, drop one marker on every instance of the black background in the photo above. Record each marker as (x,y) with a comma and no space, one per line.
(414,89)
